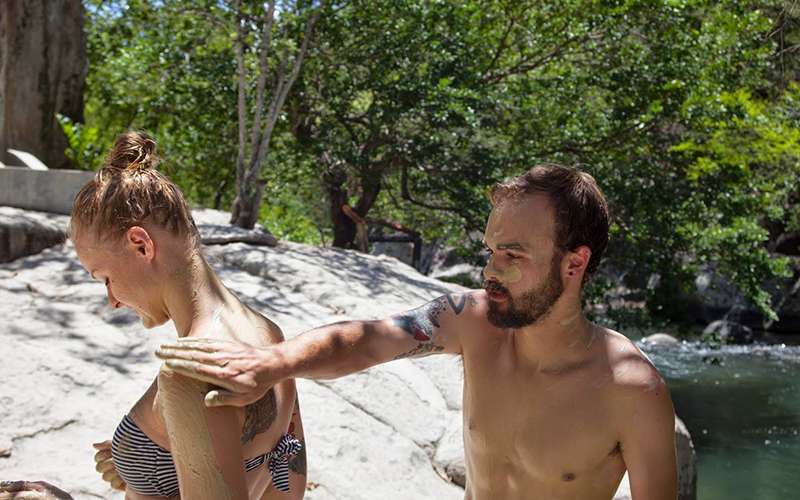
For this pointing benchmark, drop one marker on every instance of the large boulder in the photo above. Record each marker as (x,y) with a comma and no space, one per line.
(729,332)
(715,298)
(42,72)
(24,232)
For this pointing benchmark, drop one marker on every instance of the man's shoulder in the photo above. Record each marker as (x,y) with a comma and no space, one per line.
(467,303)
(462,311)
(632,372)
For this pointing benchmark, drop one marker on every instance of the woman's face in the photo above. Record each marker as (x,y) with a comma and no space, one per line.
(126,268)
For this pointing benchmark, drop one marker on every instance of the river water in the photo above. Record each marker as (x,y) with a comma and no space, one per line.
(741,405)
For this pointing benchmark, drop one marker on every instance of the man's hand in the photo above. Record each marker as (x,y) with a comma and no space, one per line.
(105,465)
(239,368)
(31,490)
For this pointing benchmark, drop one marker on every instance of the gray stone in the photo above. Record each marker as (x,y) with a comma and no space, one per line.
(41,190)
(449,457)
(223,235)
(215,229)
(25,233)
(352,455)
(42,72)
(687,462)
(463,274)
(660,339)
(729,332)
(716,298)
(5,446)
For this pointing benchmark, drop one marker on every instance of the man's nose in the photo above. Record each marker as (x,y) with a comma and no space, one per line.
(490,271)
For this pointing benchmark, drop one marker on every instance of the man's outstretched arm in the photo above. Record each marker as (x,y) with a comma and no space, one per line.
(327,352)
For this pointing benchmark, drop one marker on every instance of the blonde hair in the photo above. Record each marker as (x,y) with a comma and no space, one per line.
(129,191)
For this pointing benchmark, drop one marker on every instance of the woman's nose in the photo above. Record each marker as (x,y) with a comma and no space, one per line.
(112,301)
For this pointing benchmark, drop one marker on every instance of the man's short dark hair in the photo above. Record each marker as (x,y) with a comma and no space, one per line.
(581,210)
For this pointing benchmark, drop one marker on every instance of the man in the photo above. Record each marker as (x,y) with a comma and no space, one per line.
(555,407)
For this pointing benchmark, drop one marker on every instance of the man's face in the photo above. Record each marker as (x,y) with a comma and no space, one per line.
(523,275)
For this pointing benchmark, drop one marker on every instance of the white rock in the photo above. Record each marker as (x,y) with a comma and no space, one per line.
(660,339)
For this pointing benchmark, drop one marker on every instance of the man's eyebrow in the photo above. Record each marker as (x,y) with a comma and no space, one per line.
(511,246)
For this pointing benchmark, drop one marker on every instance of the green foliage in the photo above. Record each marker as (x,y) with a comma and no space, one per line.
(684,111)
(83,147)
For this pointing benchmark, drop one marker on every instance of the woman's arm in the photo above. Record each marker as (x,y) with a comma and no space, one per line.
(204,442)
(297,464)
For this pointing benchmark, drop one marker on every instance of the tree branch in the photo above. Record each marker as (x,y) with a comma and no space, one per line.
(241,97)
(280,96)
(263,69)
(530,63)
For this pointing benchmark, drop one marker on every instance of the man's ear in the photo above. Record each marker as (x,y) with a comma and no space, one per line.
(138,240)
(577,261)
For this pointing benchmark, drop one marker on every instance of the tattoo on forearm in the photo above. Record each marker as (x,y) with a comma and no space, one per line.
(421,350)
(259,416)
(420,322)
(297,463)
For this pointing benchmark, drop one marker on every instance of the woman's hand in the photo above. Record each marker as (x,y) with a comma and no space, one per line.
(239,368)
(105,465)
(31,490)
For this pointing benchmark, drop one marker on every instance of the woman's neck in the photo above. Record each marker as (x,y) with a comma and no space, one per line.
(194,297)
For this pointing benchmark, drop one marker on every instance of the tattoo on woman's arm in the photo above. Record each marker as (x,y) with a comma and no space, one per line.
(297,463)
(259,416)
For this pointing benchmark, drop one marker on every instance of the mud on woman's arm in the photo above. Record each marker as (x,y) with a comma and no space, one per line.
(204,442)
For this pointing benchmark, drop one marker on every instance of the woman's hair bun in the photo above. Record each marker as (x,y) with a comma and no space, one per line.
(133,151)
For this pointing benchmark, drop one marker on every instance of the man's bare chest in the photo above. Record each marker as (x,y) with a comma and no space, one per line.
(547,428)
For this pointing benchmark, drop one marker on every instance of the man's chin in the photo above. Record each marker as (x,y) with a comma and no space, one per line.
(501,315)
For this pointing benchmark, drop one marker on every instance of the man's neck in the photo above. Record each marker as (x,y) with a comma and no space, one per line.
(561,337)
(195,296)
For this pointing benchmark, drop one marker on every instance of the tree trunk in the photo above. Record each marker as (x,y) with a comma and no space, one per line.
(42,72)
(244,212)
(345,229)
(333,180)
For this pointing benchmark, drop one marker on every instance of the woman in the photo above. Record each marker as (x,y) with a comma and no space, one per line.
(133,231)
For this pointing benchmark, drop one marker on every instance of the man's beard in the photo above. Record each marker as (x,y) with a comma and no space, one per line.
(532,306)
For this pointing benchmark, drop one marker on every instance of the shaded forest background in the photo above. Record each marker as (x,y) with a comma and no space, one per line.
(307,117)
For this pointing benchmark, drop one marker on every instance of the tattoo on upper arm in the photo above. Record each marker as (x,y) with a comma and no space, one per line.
(297,463)
(259,416)
(420,322)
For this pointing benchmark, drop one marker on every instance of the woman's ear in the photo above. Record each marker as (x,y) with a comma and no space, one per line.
(138,240)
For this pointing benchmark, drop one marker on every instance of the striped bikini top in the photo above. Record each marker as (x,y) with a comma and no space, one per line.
(149,469)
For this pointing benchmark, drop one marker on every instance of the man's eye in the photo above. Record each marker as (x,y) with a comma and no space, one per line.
(487,251)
